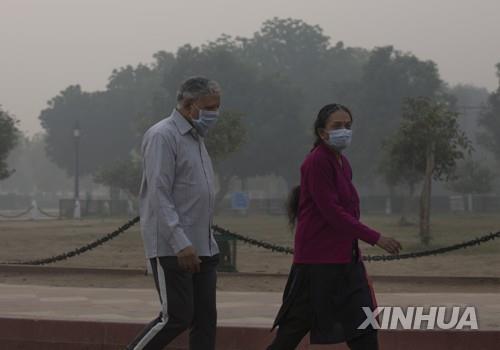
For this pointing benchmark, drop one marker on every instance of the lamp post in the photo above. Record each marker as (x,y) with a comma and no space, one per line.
(76,136)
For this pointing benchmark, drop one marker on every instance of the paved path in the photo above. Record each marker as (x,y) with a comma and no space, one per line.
(235,308)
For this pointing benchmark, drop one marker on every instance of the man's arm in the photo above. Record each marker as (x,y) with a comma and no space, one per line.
(159,168)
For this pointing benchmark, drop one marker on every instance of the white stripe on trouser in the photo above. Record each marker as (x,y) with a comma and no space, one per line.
(164,309)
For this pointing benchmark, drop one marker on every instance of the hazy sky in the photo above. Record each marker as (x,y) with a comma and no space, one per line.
(46,45)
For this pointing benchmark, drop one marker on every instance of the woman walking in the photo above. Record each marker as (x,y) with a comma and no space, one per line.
(328,286)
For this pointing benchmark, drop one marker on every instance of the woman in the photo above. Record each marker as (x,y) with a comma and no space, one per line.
(328,287)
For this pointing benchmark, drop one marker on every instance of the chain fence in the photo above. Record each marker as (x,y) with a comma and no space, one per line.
(27,211)
(43,212)
(257,243)
(15,216)
(287,250)
(78,251)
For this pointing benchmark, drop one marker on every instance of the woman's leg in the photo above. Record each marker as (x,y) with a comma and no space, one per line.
(367,341)
(295,323)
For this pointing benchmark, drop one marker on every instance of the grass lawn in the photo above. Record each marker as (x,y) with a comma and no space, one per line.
(23,240)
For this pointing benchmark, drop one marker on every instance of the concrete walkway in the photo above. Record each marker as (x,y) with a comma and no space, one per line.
(235,308)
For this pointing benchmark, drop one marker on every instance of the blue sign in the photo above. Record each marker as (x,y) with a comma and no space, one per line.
(239,200)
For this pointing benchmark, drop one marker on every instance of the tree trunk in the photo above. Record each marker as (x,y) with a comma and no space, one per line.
(224,182)
(244,184)
(404,221)
(389,201)
(425,198)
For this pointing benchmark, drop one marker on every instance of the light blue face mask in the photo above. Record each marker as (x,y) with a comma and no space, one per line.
(206,121)
(339,139)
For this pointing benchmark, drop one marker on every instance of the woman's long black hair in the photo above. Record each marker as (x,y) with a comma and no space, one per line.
(292,204)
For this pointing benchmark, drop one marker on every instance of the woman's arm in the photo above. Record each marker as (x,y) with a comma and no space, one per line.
(324,193)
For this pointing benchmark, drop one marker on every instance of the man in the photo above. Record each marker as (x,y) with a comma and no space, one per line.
(176,208)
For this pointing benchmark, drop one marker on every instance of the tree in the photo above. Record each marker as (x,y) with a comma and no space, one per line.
(142,86)
(469,101)
(225,138)
(34,171)
(398,167)
(106,123)
(268,105)
(389,77)
(276,80)
(490,121)
(9,135)
(472,178)
(427,144)
(303,55)
(122,174)
(111,120)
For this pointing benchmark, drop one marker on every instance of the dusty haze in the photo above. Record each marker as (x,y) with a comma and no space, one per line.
(47,45)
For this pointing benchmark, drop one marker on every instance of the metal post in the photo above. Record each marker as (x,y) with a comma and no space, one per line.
(76,135)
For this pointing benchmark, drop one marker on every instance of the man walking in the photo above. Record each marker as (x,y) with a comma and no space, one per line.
(176,208)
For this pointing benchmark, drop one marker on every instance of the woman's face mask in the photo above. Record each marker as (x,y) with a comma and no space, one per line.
(339,139)
(338,133)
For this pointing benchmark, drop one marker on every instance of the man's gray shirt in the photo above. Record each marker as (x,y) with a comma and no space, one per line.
(177,192)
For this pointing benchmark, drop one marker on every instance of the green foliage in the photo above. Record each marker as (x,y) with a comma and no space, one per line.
(34,171)
(472,178)
(106,123)
(275,81)
(399,162)
(227,136)
(424,122)
(490,120)
(389,77)
(268,106)
(429,122)
(427,146)
(9,135)
(122,174)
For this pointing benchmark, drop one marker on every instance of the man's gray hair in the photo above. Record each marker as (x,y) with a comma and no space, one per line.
(196,87)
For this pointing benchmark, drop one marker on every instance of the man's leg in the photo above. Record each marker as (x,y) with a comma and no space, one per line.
(175,289)
(204,326)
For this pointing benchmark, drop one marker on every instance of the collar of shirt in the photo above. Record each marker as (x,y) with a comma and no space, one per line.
(181,123)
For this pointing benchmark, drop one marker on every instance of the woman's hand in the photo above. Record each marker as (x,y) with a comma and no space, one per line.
(389,244)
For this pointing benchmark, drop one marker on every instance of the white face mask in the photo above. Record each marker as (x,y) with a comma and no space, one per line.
(339,139)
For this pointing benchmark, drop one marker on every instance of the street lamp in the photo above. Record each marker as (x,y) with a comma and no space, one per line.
(76,136)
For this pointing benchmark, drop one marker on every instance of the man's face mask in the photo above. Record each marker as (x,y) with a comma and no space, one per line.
(206,120)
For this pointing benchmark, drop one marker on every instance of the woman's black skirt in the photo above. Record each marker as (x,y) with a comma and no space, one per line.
(335,295)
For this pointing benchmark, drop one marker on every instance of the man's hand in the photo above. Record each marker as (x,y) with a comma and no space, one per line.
(188,259)
(389,244)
